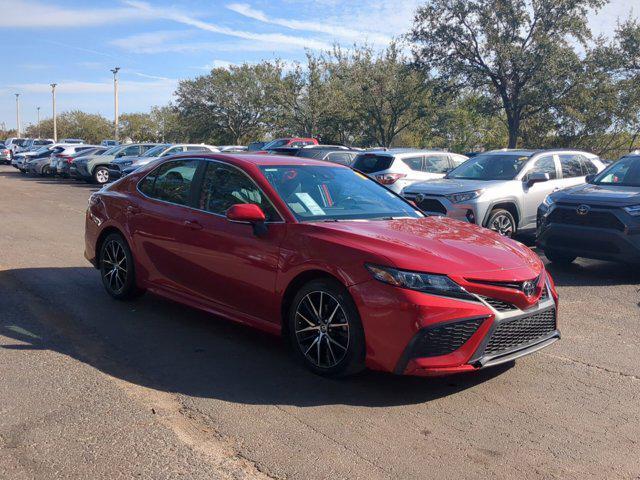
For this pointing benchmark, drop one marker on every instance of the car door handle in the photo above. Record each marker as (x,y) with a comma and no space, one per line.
(132,210)
(192,224)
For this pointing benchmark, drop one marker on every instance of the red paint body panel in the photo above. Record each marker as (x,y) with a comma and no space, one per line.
(208,262)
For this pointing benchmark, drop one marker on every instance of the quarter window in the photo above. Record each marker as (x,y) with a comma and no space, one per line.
(571,166)
(171,182)
(545,165)
(340,158)
(414,163)
(224,186)
(436,164)
(588,167)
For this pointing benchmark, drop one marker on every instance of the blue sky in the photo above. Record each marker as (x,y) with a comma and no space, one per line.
(157,43)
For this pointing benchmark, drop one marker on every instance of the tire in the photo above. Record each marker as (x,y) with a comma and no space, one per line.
(559,258)
(46,170)
(325,347)
(502,221)
(101,175)
(117,269)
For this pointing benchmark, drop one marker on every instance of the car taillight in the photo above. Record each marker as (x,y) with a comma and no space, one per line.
(389,178)
(65,158)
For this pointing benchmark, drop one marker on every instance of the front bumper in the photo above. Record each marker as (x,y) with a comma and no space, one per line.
(413,333)
(613,237)
(466,212)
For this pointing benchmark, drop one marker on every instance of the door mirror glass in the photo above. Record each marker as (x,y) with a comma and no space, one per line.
(537,177)
(246,212)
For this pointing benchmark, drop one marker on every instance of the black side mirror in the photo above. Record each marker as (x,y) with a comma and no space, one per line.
(537,177)
(589,178)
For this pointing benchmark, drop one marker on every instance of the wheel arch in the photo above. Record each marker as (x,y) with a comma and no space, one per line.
(510,206)
(104,234)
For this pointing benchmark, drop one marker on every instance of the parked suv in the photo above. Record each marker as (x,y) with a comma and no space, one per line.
(96,167)
(502,189)
(14,144)
(47,165)
(34,144)
(289,142)
(598,220)
(399,168)
(130,163)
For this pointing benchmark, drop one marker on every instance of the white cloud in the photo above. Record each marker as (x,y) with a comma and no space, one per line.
(79,87)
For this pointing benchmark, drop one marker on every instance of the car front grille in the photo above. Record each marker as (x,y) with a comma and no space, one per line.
(521,331)
(498,305)
(594,218)
(583,244)
(431,205)
(441,340)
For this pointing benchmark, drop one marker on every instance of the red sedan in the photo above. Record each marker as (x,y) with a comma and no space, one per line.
(349,272)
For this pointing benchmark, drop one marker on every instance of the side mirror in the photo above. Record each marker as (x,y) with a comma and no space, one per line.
(537,177)
(589,178)
(248,213)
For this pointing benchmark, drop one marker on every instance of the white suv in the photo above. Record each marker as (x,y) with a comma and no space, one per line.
(502,189)
(399,168)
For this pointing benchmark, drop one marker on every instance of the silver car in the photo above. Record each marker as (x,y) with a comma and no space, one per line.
(397,168)
(502,189)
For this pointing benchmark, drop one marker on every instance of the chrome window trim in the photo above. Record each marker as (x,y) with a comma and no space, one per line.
(199,209)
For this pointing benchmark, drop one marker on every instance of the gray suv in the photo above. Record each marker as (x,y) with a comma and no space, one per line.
(502,189)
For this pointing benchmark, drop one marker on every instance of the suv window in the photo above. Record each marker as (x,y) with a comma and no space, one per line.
(145,148)
(571,166)
(414,163)
(195,148)
(587,166)
(340,157)
(436,164)
(172,151)
(369,163)
(224,186)
(171,181)
(545,165)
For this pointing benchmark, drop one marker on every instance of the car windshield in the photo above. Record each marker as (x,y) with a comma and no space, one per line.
(275,144)
(112,150)
(21,142)
(42,149)
(155,151)
(318,193)
(625,173)
(490,166)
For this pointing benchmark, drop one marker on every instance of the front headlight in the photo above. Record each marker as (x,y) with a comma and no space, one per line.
(633,210)
(464,196)
(422,282)
(548,201)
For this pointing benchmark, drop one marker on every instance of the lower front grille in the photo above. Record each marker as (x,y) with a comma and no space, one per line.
(594,218)
(442,340)
(521,331)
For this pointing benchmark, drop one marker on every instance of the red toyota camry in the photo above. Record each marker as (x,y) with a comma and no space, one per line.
(349,272)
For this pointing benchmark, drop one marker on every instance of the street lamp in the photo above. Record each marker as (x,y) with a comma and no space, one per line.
(38,109)
(53,99)
(115,101)
(17,114)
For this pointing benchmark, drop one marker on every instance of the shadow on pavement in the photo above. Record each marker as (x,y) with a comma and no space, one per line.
(16,175)
(168,347)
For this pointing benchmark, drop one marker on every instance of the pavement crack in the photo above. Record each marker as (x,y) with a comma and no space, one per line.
(593,366)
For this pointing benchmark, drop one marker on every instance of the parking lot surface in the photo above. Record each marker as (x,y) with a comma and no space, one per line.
(94,388)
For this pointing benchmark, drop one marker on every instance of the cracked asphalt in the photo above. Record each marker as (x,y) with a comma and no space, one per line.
(93,388)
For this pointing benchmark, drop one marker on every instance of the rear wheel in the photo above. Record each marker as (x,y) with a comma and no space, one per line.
(117,269)
(502,221)
(325,329)
(560,258)
(46,170)
(101,175)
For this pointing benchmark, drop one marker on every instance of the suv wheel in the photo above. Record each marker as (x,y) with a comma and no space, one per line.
(101,175)
(557,257)
(502,221)
(46,170)
(116,268)
(325,329)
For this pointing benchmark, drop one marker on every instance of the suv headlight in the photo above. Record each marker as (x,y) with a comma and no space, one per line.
(422,282)
(464,196)
(548,201)
(633,210)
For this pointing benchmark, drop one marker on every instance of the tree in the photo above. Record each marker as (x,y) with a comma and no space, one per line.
(230,105)
(139,127)
(91,127)
(521,51)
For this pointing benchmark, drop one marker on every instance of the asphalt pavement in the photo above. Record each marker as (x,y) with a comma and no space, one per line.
(95,388)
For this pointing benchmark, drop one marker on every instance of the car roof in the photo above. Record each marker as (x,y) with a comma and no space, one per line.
(248,159)
(403,151)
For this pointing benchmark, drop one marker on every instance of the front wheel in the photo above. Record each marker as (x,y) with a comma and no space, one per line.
(502,221)
(101,175)
(325,329)
(46,170)
(560,258)
(117,269)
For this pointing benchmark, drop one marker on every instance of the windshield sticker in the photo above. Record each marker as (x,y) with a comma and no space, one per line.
(310,203)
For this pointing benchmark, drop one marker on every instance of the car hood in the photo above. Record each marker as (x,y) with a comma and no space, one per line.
(436,245)
(446,186)
(128,158)
(599,194)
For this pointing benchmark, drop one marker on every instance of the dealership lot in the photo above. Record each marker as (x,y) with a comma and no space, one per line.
(96,387)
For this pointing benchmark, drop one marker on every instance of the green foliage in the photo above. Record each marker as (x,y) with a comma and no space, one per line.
(93,128)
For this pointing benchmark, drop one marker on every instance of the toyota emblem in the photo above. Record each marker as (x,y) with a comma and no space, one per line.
(529,288)
(583,209)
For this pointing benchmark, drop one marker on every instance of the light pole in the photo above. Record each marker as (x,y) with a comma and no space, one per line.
(115,101)
(38,109)
(18,114)
(53,100)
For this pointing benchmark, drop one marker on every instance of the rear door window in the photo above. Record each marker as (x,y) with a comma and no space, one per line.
(545,165)
(588,166)
(414,163)
(571,165)
(341,158)
(171,182)
(370,163)
(436,163)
